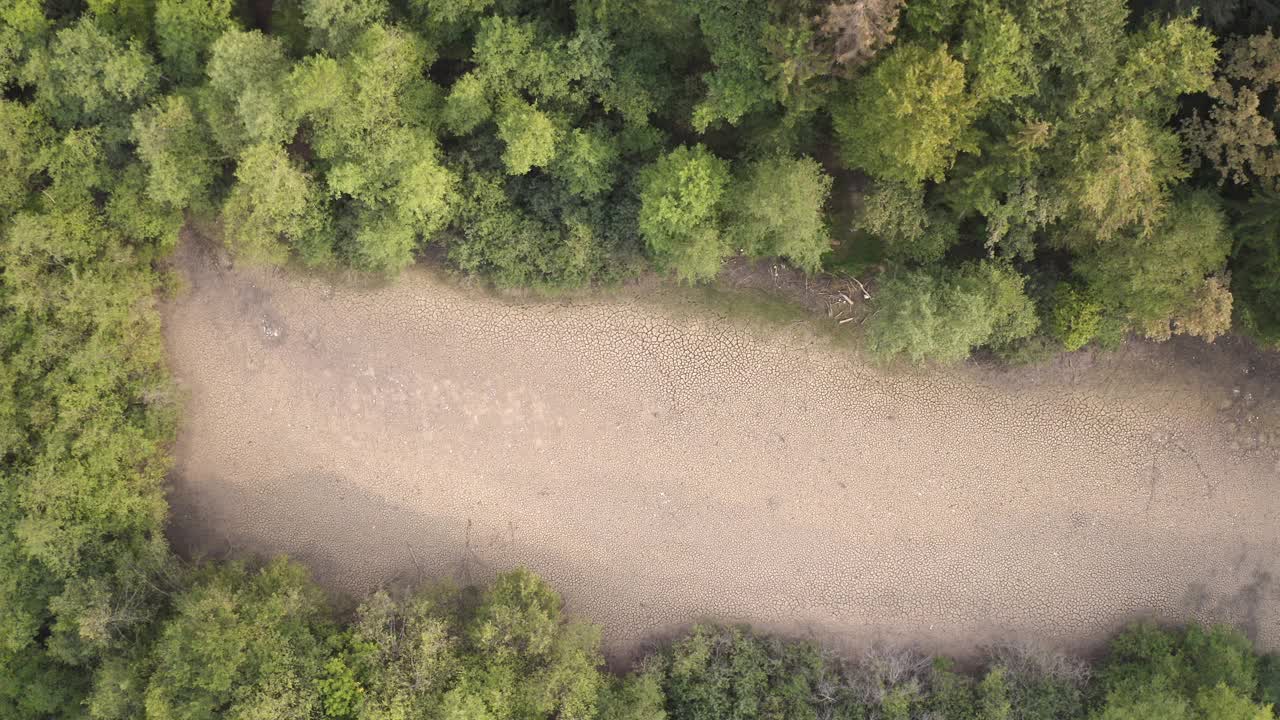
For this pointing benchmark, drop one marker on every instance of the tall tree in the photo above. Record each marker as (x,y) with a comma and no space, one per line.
(178,151)
(776,208)
(681,203)
(942,317)
(273,207)
(185,30)
(908,119)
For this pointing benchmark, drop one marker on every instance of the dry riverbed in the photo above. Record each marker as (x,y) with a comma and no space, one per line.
(660,463)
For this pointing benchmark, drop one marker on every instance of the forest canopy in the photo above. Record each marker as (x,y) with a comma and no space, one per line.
(1114,164)
(1016,175)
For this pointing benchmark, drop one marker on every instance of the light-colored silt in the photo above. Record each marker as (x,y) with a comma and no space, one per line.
(662,465)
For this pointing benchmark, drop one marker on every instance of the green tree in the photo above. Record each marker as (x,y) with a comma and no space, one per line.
(895,213)
(245,102)
(1158,278)
(1255,267)
(368,117)
(1194,674)
(23,134)
(1074,318)
(681,202)
(588,161)
(934,18)
(87,77)
(467,105)
(776,209)
(275,205)
(715,673)
(1163,62)
(997,55)
(241,644)
(738,84)
(908,119)
(1082,39)
(530,136)
(23,27)
(1123,178)
(531,234)
(526,662)
(178,151)
(638,696)
(397,660)
(132,19)
(185,30)
(335,24)
(943,317)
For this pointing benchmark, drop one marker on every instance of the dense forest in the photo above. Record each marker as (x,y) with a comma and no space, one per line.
(1026,176)
(228,642)
(1022,175)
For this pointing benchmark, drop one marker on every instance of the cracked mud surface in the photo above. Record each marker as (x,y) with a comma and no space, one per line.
(661,464)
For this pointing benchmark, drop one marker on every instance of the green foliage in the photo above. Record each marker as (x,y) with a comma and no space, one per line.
(244,101)
(1269,679)
(363,114)
(177,148)
(525,661)
(131,19)
(240,644)
(1123,178)
(275,205)
(681,199)
(638,696)
(86,77)
(997,55)
(335,24)
(776,209)
(588,162)
(1157,278)
(446,21)
(85,412)
(1164,61)
(23,132)
(715,673)
(84,350)
(907,120)
(896,214)
(738,84)
(23,27)
(467,105)
(185,30)
(1195,673)
(1082,39)
(530,136)
(1256,267)
(509,235)
(942,318)
(1074,319)
(934,18)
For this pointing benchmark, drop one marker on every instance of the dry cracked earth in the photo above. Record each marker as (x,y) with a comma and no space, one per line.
(661,463)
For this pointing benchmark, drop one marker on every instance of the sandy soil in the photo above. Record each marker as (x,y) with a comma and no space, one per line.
(662,464)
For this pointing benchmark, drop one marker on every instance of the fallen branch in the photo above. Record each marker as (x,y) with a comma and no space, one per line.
(865,295)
